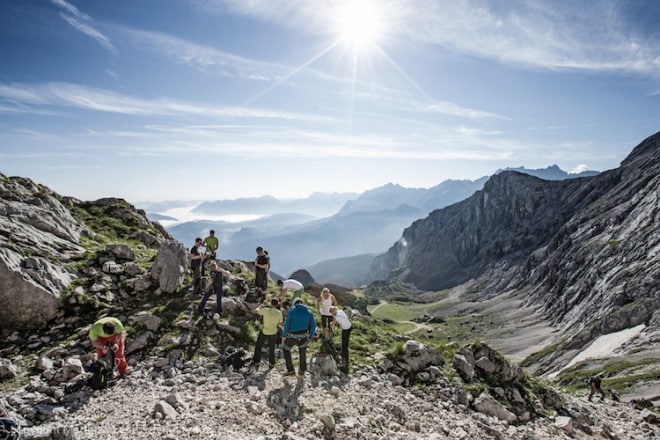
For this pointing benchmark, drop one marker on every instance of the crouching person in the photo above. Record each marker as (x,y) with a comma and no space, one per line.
(299,329)
(109,331)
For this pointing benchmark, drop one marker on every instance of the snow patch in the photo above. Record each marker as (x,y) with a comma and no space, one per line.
(603,346)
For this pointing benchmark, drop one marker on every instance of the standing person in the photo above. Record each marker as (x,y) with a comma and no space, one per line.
(594,387)
(109,331)
(324,302)
(196,260)
(299,329)
(214,286)
(340,317)
(290,284)
(211,243)
(261,270)
(272,320)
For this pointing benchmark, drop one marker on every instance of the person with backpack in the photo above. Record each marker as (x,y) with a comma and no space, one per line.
(272,320)
(106,331)
(299,329)
(594,387)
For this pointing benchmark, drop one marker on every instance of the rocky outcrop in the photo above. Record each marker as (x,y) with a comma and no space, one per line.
(170,265)
(42,258)
(38,237)
(480,364)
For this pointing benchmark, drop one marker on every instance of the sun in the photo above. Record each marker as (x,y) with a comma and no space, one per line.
(359,24)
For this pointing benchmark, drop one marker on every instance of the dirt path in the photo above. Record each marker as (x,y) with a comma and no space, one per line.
(381,303)
(418,326)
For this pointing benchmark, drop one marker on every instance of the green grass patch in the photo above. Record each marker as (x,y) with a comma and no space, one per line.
(394,312)
(403,327)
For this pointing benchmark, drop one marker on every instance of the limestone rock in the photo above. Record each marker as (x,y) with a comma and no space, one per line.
(170,265)
(487,405)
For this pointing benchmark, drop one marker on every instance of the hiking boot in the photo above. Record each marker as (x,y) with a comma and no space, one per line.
(290,373)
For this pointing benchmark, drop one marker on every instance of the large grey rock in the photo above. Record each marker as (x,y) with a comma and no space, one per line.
(120,251)
(170,265)
(7,369)
(488,405)
(32,286)
(417,356)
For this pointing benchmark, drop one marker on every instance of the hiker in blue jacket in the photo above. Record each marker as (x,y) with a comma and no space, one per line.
(299,329)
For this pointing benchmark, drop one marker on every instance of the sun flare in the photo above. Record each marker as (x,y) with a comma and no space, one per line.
(359,24)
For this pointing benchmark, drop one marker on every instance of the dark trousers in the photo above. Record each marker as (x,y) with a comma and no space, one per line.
(218,301)
(325,321)
(595,388)
(196,277)
(345,336)
(302,351)
(262,339)
(261,279)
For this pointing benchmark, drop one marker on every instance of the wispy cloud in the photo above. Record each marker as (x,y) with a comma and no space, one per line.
(204,58)
(83,23)
(535,33)
(74,96)
(563,34)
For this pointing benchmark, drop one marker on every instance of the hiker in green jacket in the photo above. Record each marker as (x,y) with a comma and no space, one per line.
(106,331)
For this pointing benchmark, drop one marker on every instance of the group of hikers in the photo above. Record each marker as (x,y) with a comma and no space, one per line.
(285,320)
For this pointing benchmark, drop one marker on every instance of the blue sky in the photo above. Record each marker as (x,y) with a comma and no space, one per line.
(219,99)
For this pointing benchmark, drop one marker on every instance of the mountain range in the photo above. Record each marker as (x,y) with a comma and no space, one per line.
(360,225)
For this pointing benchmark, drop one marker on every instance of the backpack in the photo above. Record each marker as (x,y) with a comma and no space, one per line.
(252,296)
(102,371)
(9,429)
(234,357)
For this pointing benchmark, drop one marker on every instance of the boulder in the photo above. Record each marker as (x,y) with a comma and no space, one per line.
(486,404)
(120,251)
(32,286)
(170,265)
(7,369)
(417,356)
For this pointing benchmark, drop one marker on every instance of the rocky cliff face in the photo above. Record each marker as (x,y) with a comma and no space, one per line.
(42,259)
(584,250)
(601,272)
(511,217)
